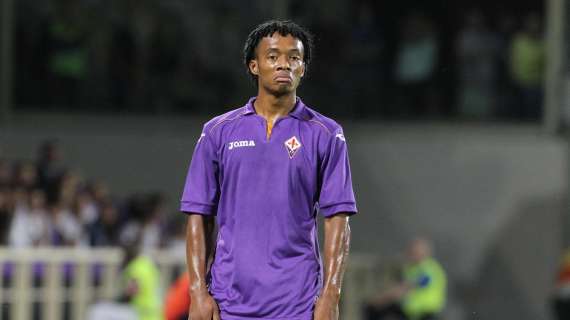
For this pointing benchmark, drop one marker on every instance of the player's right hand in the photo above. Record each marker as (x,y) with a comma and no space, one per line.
(203,307)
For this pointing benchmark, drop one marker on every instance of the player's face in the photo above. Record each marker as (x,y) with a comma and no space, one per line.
(279,64)
(419,250)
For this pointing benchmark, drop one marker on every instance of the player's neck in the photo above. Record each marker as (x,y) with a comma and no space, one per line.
(272,107)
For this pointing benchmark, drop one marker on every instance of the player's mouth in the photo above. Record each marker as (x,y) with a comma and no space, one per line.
(283,78)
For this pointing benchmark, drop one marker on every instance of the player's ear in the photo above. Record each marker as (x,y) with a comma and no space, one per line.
(303,69)
(253,67)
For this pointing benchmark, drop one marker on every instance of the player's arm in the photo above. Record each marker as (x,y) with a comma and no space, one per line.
(199,201)
(199,244)
(336,204)
(336,248)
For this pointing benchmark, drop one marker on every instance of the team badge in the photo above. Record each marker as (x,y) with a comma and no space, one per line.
(293,145)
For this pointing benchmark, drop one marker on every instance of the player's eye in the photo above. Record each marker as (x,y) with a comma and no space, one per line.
(295,58)
(272,57)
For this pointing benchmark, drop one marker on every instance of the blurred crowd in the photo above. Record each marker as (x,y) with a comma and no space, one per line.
(45,203)
(383,59)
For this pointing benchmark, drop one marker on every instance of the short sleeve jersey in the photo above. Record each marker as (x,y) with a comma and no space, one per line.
(265,193)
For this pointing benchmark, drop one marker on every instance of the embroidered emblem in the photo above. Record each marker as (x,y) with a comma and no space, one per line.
(341,137)
(293,145)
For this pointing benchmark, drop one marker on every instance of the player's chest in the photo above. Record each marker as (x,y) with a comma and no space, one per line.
(289,147)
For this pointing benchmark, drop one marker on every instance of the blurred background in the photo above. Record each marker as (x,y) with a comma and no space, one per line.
(455,113)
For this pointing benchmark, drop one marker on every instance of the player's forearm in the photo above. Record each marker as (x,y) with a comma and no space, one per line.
(209,229)
(337,243)
(198,236)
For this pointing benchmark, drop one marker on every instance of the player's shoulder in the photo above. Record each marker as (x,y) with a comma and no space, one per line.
(219,121)
(322,122)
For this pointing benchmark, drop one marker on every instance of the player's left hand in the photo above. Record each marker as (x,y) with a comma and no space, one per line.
(326,309)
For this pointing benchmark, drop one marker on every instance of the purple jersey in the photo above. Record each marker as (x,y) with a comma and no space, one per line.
(265,193)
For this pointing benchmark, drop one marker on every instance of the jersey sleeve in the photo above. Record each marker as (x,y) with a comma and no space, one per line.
(336,193)
(202,189)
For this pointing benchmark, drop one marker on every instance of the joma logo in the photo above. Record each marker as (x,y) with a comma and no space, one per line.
(239,144)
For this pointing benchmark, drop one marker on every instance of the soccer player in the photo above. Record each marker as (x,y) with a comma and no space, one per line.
(263,172)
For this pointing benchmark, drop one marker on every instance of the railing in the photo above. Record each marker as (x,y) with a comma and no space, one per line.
(62,283)
(56,284)
(50,279)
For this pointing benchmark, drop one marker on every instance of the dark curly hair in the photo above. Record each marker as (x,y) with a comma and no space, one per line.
(284,28)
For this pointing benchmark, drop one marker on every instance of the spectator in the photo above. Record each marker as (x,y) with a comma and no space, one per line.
(74,214)
(152,222)
(85,207)
(5,215)
(19,198)
(26,175)
(50,167)
(527,62)
(146,212)
(105,230)
(477,53)
(68,187)
(64,227)
(416,62)
(29,227)
(176,244)
(99,191)
(421,293)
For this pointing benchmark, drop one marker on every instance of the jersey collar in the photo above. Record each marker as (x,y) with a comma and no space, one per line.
(298,111)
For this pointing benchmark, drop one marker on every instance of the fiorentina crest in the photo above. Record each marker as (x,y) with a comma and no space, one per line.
(293,145)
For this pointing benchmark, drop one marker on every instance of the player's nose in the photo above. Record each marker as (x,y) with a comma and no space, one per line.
(283,64)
